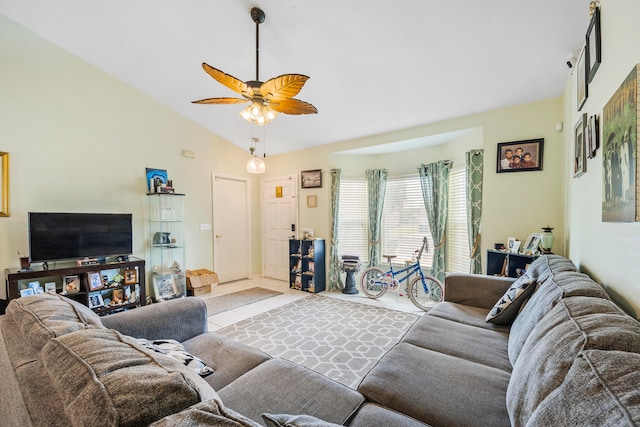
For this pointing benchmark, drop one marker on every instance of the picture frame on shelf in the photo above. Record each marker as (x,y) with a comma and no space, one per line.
(27,292)
(511,245)
(594,45)
(593,132)
(94,279)
(50,288)
(579,147)
(582,87)
(532,244)
(130,276)
(311,178)
(95,300)
(520,156)
(71,284)
(164,286)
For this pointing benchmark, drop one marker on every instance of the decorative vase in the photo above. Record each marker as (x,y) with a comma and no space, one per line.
(547,239)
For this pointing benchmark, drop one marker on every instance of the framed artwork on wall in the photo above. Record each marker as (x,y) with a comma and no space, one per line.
(594,55)
(582,89)
(579,147)
(311,178)
(520,156)
(4,183)
(593,131)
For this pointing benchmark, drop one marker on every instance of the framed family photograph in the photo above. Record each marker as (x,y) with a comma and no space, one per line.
(520,156)
(95,300)
(71,284)
(532,244)
(579,152)
(95,281)
(594,55)
(311,179)
(130,276)
(164,286)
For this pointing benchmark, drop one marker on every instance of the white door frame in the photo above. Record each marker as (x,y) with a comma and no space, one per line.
(249,243)
(263,213)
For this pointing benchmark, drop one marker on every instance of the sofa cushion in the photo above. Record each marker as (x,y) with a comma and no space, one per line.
(461,313)
(45,316)
(228,358)
(548,293)
(507,307)
(209,413)
(546,265)
(288,388)
(574,325)
(600,389)
(458,339)
(105,378)
(437,388)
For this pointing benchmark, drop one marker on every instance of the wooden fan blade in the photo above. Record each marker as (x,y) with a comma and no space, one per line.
(228,80)
(283,87)
(293,106)
(220,101)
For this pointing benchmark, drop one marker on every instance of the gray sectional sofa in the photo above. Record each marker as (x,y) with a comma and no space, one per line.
(571,357)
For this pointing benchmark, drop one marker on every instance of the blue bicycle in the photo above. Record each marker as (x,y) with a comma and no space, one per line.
(424,291)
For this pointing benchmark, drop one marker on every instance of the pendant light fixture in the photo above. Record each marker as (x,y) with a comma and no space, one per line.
(256,164)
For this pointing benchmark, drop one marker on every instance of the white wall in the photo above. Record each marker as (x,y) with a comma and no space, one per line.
(79,141)
(608,251)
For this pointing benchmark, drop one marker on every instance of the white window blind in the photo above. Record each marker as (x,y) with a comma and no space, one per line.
(457,235)
(404,220)
(352,218)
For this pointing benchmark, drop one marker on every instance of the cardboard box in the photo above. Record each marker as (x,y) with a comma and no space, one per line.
(200,281)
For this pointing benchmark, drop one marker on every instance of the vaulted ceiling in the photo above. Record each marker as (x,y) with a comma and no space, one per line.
(375,66)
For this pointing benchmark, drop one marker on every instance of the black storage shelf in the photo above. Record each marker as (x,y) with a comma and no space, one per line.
(307,265)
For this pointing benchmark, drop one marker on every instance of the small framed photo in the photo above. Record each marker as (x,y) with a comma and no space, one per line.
(94,279)
(130,276)
(593,133)
(520,156)
(164,286)
(311,178)
(312,201)
(582,89)
(594,54)
(27,292)
(95,300)
(531,244)
(511,242)
(35,285)
(50,287)
(579,147)
(70,284)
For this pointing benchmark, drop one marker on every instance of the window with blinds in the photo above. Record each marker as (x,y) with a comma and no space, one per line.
(457,235)
(404,220)
(352,218)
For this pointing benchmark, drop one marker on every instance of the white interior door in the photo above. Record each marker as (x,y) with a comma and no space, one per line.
(279,214)
(231,227)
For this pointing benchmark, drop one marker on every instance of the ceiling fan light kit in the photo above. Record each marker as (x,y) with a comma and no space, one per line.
(266,99)
(255,164)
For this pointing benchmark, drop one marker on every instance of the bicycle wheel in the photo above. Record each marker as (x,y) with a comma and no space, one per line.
(372,282)
(425,293)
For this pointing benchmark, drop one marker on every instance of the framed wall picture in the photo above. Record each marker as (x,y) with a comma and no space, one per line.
(579,147)
(312,201)
(594,55)
(582,88)
(311,178)
(94,279)
(593,136)
(520,156)
(4,183)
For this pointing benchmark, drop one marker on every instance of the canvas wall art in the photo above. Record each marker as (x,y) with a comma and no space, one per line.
(620,119)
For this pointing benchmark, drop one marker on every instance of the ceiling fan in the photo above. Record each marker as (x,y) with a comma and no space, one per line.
(274,95)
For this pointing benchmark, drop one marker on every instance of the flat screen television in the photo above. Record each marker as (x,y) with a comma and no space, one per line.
(58,236)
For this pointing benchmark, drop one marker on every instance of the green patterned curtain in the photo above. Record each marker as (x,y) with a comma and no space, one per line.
(434,179)
(335,282)
(474,161)
(376,186)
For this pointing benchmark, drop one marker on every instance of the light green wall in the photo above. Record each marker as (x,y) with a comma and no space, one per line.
(79,141)
(608,251)
(515,204)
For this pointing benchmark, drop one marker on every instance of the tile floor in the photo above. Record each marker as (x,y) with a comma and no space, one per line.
(389,300)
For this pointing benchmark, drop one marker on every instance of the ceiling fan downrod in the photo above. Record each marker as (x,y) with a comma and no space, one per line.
(258,17)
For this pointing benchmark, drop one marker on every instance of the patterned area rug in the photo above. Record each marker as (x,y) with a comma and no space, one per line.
(337,338)
(227,302)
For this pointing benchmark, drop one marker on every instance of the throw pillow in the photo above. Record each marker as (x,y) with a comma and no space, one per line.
(174,349)
(286,420)
(506,309)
